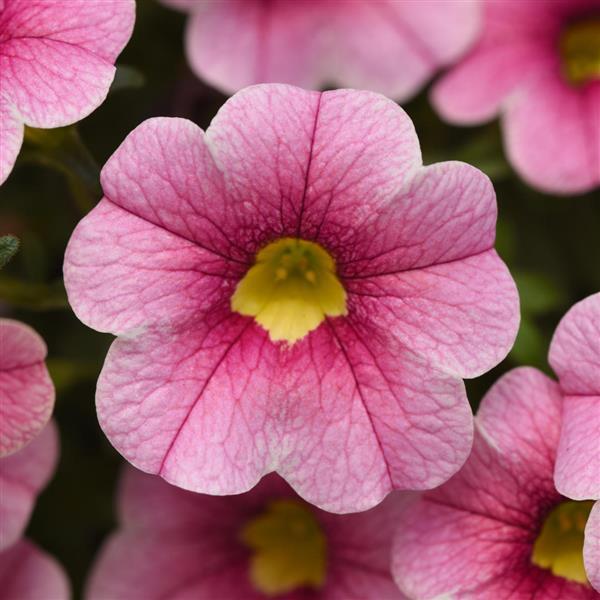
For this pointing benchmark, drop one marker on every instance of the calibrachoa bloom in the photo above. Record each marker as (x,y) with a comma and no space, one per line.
(537,64)
(575,358)
(26,572)
(382,45)
(263,544)
(56,63)
(26,390)
(293,291)
(499,528)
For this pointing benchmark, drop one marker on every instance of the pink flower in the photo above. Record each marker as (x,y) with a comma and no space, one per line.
(56,63)
(575,358)
(26,572)
(313,214)
(499,528)
(386,46)
(174,543)
(26,390)
(537,64)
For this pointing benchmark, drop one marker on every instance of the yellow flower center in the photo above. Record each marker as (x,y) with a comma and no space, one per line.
(580,51)
(289,548)
(559,545)
(290,289)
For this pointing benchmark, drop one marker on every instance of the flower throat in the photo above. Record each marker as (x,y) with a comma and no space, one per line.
(580,51)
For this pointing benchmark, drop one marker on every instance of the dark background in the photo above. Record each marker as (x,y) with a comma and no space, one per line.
(551,245)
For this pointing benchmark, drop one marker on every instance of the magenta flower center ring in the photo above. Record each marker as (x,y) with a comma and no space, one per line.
(580,50)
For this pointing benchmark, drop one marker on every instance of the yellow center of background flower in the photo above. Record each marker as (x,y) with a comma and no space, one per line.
(290,290)
(289,548)
(559,546)
(580,51)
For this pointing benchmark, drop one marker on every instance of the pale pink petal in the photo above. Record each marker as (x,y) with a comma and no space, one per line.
(22,476)
(462,315)
(394,47)
(26,390)
(477,531)
(28,573)
(552,135)
(591,547)
(192,550)
(389,47)
(575,358)
(239,43)
(340,415)
(311,164)
(56,59)
(123,273)
(575,348)
(577,471)
(11,137)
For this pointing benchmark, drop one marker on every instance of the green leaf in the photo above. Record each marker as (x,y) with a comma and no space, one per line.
(539,294)
(33,296)
(530,346)
(9,245)
(127,78)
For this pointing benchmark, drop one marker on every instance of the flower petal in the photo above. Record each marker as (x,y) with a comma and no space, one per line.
(577,471)
(312,164)
(28,573)
(22,476)
(591,547)
(11,137)
(478,529)
(461,316)
(26,390)
(124,273)
(342,417)
(575,349)
(552,135)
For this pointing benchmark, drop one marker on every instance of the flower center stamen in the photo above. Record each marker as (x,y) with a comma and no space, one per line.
(580,51)
(559,545)
(289,548)
(290,289)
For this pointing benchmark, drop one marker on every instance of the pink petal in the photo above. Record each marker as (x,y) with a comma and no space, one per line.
(575,357)
(577,471)
(343,415)
(22,476)
(11,134)
(26,390)
(591,547)
(310,164)
(123,273)
(192,550)
(477,530)
(394,50)
(575,348)
(28,573)
(552,135)
(461,315)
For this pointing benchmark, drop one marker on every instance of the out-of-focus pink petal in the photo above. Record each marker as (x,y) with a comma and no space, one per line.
(555,143)
(577,471)
(26,390)
(310,164)
(28,573)
(477,531)
(575,348)
(124,273)
(591,547)
(389,47)
(461,315)
(394,47)
(339,415)
(11,133)
(22,476)
(195,549)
